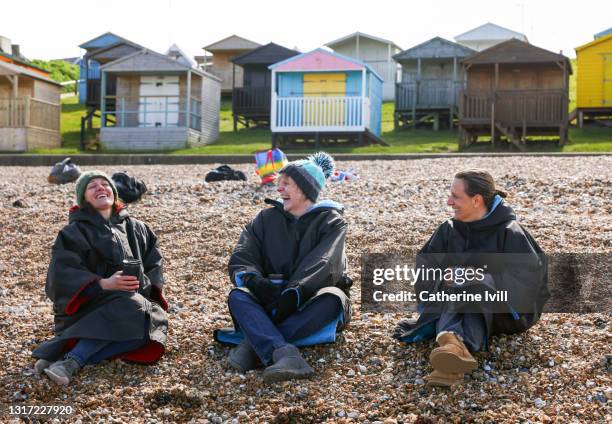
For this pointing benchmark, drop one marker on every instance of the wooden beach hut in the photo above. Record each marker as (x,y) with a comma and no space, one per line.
(514,90)
(222,53)
(594,79)
(100,50)
(325,97)
(251,102)
(374,51)
(432,77)
(29,106)
(488,35)
(158,103)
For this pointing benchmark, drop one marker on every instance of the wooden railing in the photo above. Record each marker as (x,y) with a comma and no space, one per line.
(521,107)
(25,112)
(251,100)
(294,114)
(153,112)
(427,93)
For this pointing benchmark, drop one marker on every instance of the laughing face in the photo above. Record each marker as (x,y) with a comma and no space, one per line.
(99,194)
(294,200)
(466,208)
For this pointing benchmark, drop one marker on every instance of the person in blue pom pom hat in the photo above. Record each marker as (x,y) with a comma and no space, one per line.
(289,268)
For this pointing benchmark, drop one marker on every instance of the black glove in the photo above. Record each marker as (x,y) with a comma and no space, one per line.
(286,305)
(264,290)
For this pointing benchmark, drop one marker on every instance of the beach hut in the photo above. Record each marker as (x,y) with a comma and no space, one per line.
(325,97)
(374,51)
(223,51)
(98,51)
(514,90)
(159,103)
(251,102)
(594,78)
(29,106)
(488,35)
(432,77)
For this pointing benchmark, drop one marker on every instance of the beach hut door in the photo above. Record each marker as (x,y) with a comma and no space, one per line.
(324,95)
(607,82)
(159,101)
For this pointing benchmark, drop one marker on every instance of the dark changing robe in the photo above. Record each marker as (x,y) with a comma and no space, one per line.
(309,252)
(498,232)
(88,249)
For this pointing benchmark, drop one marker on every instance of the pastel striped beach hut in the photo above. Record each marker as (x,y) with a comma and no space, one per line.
(325,97)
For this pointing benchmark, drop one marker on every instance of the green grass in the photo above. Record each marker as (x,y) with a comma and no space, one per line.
(249,140)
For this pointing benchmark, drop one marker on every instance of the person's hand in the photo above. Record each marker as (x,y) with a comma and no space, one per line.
(286,305)
(264,290)
(120,282)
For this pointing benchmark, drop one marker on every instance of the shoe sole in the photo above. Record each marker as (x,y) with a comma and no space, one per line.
(450,363)
(40,366)
(237,366)
(442,383)
(59,379)
(281,375)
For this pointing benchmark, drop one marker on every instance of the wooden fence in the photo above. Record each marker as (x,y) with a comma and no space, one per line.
(521,107)
(29,112)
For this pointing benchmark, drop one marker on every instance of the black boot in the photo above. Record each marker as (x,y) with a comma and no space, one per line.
(288,365)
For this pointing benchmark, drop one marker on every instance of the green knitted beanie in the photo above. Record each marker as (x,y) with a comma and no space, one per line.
(85,178)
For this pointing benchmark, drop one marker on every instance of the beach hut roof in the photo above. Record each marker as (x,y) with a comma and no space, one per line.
(515,51)
(604,32)
(320,60)
(107,37)
(598,40)
(265,55)
(233,42)
(13,69)
(341,40)
(490,31)
(436,48)
(141,62)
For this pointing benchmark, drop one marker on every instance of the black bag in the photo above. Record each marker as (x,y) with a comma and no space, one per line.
(129,188)
(64,172)
(225,173)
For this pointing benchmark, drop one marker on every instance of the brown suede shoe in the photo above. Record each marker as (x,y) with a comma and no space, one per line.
(443,379)
(452,357)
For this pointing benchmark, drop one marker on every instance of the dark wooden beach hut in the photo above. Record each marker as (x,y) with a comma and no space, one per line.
(432,77)
(514,90)
(251,101)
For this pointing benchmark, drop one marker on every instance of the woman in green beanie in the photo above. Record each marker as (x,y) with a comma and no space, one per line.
(289,268)
(105,281)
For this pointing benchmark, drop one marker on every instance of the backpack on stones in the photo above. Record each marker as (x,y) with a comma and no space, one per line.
(129,188)
(64,172)
(225,173)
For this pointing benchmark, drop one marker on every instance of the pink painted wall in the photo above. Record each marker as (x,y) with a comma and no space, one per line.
(319,60)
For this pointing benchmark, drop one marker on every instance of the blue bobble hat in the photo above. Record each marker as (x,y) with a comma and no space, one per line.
(310,174)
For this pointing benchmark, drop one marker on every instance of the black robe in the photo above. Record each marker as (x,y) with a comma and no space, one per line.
(309,252)
(498,232)
(88,249)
